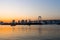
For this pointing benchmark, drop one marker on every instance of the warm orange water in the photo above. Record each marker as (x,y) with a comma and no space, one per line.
(34,32)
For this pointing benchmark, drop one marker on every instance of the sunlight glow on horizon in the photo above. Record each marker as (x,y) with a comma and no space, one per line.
(29,9)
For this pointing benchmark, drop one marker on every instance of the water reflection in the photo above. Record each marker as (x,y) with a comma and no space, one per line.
(34,32)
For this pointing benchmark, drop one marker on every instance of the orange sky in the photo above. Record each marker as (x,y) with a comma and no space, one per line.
(9,19)
(29,9)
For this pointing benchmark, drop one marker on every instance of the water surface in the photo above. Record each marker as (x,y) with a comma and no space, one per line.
(33,32)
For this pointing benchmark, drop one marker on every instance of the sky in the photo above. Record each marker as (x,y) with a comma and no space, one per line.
(29,9)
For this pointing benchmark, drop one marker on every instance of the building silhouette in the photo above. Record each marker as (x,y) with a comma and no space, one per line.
(39,19)
(25,21)
(19,22)
(13,22)
(22,21)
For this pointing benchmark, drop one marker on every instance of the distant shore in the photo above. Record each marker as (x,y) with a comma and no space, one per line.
(27,24)
(30,22)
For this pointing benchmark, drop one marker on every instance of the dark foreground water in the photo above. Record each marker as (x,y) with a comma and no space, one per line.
(33,32)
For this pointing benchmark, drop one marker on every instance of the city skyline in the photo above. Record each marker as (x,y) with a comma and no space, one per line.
(29,9)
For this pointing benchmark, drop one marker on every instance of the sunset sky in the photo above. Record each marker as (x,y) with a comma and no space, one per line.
(29,9)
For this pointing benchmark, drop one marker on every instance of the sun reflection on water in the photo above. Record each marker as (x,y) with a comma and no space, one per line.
(28,32)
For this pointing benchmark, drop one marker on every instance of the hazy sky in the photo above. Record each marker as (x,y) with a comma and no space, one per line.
(30,8)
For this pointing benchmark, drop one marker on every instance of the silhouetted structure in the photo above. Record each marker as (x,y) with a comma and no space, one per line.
(22,21)
(25,21)
(13,22)
(18,21)
(31,22)
(1,22)
(39,19)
